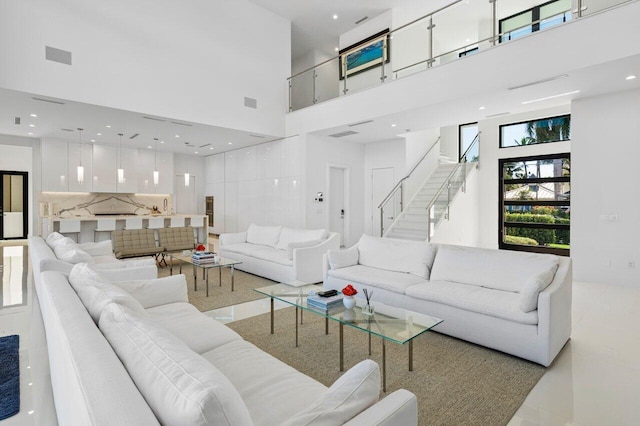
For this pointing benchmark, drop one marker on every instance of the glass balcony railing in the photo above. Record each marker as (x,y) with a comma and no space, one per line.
(461,29)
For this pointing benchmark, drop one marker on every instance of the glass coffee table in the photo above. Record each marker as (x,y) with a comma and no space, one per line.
(221,263)
(392,324)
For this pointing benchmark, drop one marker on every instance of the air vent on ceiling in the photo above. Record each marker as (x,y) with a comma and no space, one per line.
(16,120)
(533,83)
(153,118)
(361,20)
(67,130)
(257,136)
(57,55)
(135,135)
(343,134)
(497,115)
(250,102)
(181,124)
(360,123)
(48,100)
(205,145)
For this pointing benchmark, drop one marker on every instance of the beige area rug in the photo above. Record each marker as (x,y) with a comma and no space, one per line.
(457,383)
(220,296)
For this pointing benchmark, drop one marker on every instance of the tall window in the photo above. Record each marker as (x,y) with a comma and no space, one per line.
(535,203)
(466,146)
(537,18)
(544,130)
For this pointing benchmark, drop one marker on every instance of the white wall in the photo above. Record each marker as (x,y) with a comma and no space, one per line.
(605,152)
(193,60)
(20,154)
(214,169)
(322,152)
(449,142)
(379,155)
(488,172)
(417,144)
(302,86)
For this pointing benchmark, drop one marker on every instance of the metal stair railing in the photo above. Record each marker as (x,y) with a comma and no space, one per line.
(400,187)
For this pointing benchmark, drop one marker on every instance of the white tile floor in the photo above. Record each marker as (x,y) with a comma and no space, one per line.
(594,381)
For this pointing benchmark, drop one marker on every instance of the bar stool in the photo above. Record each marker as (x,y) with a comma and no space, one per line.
(177,222)
(104,225)
(196,222)
(133,223)
(71,226)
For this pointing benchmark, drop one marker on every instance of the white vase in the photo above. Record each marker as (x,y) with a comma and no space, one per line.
(349,302)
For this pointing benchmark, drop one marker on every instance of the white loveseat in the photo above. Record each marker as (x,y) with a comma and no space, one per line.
(515,302)
(115,359)
(279,253)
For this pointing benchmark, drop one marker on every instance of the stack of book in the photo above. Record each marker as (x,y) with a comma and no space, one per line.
(324,303)
(203,257)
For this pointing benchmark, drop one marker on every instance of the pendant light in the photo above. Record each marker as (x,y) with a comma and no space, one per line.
(156,174)
(186,174)
(80,168)
(120,169)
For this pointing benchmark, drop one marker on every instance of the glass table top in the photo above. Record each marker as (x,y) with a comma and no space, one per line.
(222,262)
(391,323)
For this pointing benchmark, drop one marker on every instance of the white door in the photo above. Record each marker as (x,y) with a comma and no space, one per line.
(13,203)
(337,202)
(382,183)
(185,196)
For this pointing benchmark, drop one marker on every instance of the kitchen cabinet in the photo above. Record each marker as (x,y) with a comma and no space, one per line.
(55,169)
(130,163)
(104,168)
(77,150)
(147,164)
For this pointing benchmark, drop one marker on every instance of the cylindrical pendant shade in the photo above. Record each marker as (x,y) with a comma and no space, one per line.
(156,177)
(80,174)
(186,179)
(120,175)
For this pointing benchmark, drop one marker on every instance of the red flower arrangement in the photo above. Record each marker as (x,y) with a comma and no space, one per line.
(201,248)
(349,290)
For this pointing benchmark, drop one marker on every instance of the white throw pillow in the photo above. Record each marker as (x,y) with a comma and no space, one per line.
(497,269)
(263,235)
(343,258)
(290,235)
(53,237)
(301,244)
(532,288)
(72,254)
(180,386)
(63,241)
(155,292)
(102,248)
(354,392)
(412,257)
(96,292)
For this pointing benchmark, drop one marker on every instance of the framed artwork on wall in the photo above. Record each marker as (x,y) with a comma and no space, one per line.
(364,55)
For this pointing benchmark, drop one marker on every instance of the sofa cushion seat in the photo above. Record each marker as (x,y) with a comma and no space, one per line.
(105,259)
(134,252)
(246,249)
(396,282)
(269,387)
(199,332)
(280,257)
(496,303)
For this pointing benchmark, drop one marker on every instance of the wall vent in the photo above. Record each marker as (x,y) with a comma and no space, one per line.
(497,115)
(51,101)
(250,102)
(135,135)
(343,134)
(182,124)
(153,118)
(533,83)
(16,120)
(205,145)
(361,20)
(57,55)
(67,130)
(257,136)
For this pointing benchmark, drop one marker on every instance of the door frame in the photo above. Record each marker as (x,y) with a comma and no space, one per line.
(25,203)
(347,200)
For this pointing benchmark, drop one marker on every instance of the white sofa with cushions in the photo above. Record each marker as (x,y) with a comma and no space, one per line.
(515,302)
(137,353)
(279,253)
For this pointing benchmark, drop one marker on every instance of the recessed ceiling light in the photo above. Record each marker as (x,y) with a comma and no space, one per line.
(211,148)
(336,49)
(481,108)
(93,140)
(108,126)
(230,143)
(98,134)
(177,136)
(468,40)
(551,97)
(393,125)
(33,115)
(196,152)
(32,125)
(335,16)
(150,147)
(31,134)
(161,141)
(630,77)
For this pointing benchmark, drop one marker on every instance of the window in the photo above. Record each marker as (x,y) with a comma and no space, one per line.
(535,204)
(466,146)
(537,18)
(469,52)
(545,130)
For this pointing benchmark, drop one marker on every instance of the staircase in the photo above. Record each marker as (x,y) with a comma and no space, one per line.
(413,222)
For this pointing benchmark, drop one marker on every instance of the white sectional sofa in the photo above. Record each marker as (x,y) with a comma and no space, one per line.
(279,253)
(515,302)
(116,359)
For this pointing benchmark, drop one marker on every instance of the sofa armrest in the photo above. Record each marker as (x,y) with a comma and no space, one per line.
(307,261)
(554,312)
(148,272)
(56,265)
(159,291)
(233,238)
(398,408)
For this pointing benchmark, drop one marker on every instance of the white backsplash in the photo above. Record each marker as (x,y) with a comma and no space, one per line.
(73,205)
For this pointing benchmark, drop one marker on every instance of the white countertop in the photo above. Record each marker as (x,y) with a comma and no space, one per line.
(121,217)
